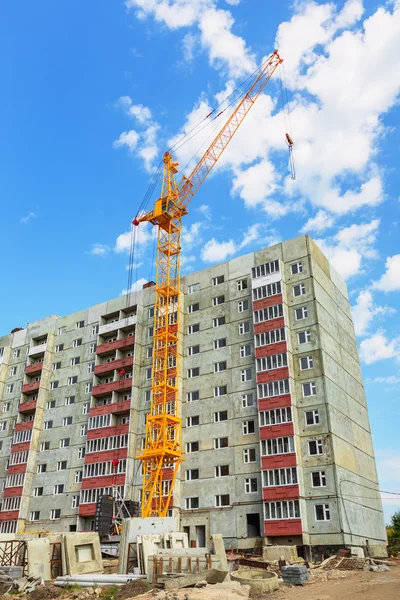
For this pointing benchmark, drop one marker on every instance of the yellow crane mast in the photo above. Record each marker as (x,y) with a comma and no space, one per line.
(162,454)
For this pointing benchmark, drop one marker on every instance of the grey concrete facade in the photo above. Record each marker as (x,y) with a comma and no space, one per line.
(223,486)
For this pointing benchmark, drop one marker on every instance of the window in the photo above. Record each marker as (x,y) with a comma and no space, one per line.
(193,307)
(42,468)
(37,491)
(280,445)
(10,388)
(304,337)
(318,479)
(218,280)
(86,408)
(92,348)
(269,313)
(16,353)
(222,471)
(193,396)
(192,474)
(69,400)
(195,372)
(218,300)
(220,366)
(266,291)
(64,443)
(245,350)
(296,268)
(150,331)
(247,400)
(44,446)
(75,361)
(191,503)
(299,290)
(34,515)
(220,390)
(221,415)
(246,375)
(148,373)
(95,329)
(248,427)
(77,342)
(61,330)
(81,452)
(315,447)
(72,380)
(195,287)
(241,284)
(220,443)
(75,502)
(265,269)
(272,362)
(243,305)
(280,477)
(244,327)
(78,476)
(250,485)
(322,512)
(151,312)
(55,513)
(88,388)
(13,371)
(306,362)
(285,509)
(309,389)
(192,447)
(48,425)
(193,350)
(219,321)
(270,337)
(301,313)
(192,421)
(67,421)
(149,352)
(275,416)
(194,328)
(312,417)
(6,407)
(221,343)
(59,348)
(222,500)
(62,465)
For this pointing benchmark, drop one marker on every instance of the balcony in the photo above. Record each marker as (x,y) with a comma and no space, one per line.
(24,426)
(107,367)
(104,389)
(121,324)
(39,349)
(26,407)
(107,348)
(35,368)
(31,388)
(114,408)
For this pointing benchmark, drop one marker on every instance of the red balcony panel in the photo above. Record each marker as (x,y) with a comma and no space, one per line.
(108,431)
(272,375)
(12,492)
(127,361)
(33,369)
(87,510)
(96,457)
(30,388)
(127,342)
(269,325)
(274,431)
(284,492)
(283,527)
(20,447)
(264,302)
(279,461)
(24,426)
(275,402)
(14,469)
(108,409)
(26,407)
(103,481)
(104,389)
(11,515)
(271,349)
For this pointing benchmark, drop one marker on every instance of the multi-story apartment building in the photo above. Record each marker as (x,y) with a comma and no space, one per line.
(276,435)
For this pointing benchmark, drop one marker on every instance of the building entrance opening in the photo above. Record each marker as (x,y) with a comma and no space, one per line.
(253,525)
(201,536)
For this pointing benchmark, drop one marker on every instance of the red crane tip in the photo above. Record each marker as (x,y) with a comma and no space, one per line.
(135,222)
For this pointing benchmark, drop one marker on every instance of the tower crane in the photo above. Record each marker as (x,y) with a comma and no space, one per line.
(162,453)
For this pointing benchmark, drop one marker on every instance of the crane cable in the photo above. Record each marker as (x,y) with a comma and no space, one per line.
(286,119)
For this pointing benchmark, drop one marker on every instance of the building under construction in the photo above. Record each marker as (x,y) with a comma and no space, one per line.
(275,433)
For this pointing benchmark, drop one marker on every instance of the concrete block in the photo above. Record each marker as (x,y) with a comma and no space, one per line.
(82,553)
(219,549)
(178,540)
(288,553)
(39,558)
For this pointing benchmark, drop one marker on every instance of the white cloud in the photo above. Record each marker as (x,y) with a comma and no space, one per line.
(28,217)
(187,260)
(379,347)
(138,111)
(135,287)
(188,46)
(390,280)
(205,210)
(191,234)
(144,234)
(128,139)
(364,312)
(320,222)
(390,380)
(214,251)
(100,249)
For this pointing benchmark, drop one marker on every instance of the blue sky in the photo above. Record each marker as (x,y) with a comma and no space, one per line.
(95,91)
